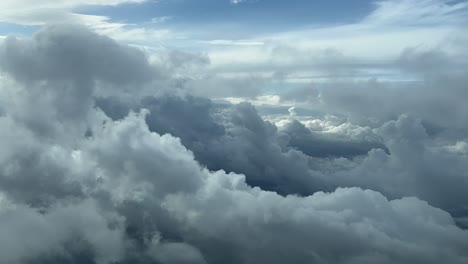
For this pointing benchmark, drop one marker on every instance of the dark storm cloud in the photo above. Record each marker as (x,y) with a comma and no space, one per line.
(93,188)
(322,145)
(229,137)
(235,138)
(223,219)
(399,158)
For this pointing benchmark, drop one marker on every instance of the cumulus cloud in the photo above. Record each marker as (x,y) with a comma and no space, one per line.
(396,158)
(54,54)
(63,233)
(229,137)
(422,124)
(58,72)
(99,177)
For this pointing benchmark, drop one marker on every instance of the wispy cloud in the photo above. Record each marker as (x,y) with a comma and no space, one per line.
(228,42)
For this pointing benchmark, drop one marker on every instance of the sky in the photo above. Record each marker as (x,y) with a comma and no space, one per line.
(356,39)
(233,131)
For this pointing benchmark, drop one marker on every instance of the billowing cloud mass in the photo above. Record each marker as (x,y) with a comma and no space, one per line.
(107,157)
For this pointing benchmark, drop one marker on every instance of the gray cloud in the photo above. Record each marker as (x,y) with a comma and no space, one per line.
(55,54)
(62,232)
(174,183)
(236,139)
(423,124)
(328,145)
(437,98)
(58,72)
(221,209)
(229,137)
(397,158)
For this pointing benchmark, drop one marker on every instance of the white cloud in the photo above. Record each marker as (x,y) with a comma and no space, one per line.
(233,42)
(162,19)
(418,12)
(12,5)
(373,43)
(237,1)
(28,12)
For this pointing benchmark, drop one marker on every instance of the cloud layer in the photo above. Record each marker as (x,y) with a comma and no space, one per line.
(89,174)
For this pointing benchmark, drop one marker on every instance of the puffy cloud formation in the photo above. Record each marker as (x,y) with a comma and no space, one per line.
(89,175)
(398,158)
